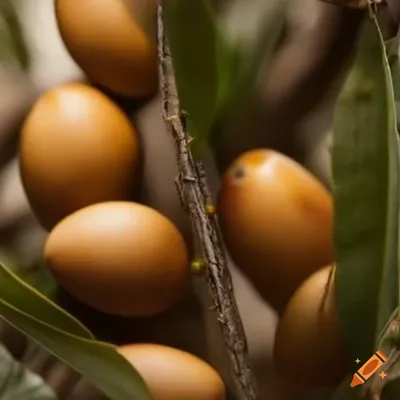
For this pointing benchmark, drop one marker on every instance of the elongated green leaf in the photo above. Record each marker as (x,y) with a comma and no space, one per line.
(388,339)
(98,362)
(34,273)
(391,336)
(201,62)
(23,297)
(18,383)
(49,325)
(392,48)
(366,190)
(40,279)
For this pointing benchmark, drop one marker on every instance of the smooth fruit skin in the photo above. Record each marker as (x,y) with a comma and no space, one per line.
(172,374)
(276,219)
(109,44)
(77,148)
(309,348)
(120,258)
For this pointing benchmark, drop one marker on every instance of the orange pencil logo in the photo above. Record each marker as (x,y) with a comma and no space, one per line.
(368,369)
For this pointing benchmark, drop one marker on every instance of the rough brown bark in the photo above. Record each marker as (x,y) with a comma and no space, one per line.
(195,197)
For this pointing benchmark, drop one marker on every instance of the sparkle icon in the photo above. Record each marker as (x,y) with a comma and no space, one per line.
(368,369)
(383,375)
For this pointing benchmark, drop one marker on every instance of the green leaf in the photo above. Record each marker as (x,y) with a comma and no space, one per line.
(366,191)
(61,334)
(392,49)
(35,273)
(30,301)
(18,383)
(12,43)
(246,69)
(38,277)
(388,340)
(201,62)
(98,362)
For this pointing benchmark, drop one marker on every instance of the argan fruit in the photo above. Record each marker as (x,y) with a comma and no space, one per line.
(77,148)
(276,220)
(309,347)
(120,258)
(173,374)
(108,42)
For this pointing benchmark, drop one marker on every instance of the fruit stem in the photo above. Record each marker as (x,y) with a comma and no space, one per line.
(194,192)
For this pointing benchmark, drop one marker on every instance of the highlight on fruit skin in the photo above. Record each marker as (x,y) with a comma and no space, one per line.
(120,258)
(276,219)
(107,41)
(309,348)
(77,148)
(173,374)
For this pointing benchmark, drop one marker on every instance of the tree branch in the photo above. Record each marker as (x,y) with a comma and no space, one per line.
(195,197)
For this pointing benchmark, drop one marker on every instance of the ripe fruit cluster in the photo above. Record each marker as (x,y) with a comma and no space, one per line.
(79,163)
(79,157)
(277,222)
(78,160)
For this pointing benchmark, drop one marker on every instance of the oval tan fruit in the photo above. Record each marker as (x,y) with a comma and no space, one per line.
(276,220)
(309,348)
(109,44)
(172,374)
(77,148)
(120,258)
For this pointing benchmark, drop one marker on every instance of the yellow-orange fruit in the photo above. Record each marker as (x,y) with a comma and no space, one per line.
(109,44)
(172,374)
(120,258)
(309,347)
(276,219)
(77,148)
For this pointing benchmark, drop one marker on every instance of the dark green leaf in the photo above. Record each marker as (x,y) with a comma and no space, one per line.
(366,190)
(392,48)
(389,338)
(40,279)
(12,43)
(201,62)
(18,383)
(35,273)
(98,362)
(53,328)
(23,297)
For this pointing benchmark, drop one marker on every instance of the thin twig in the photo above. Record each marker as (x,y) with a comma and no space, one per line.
(194,195)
